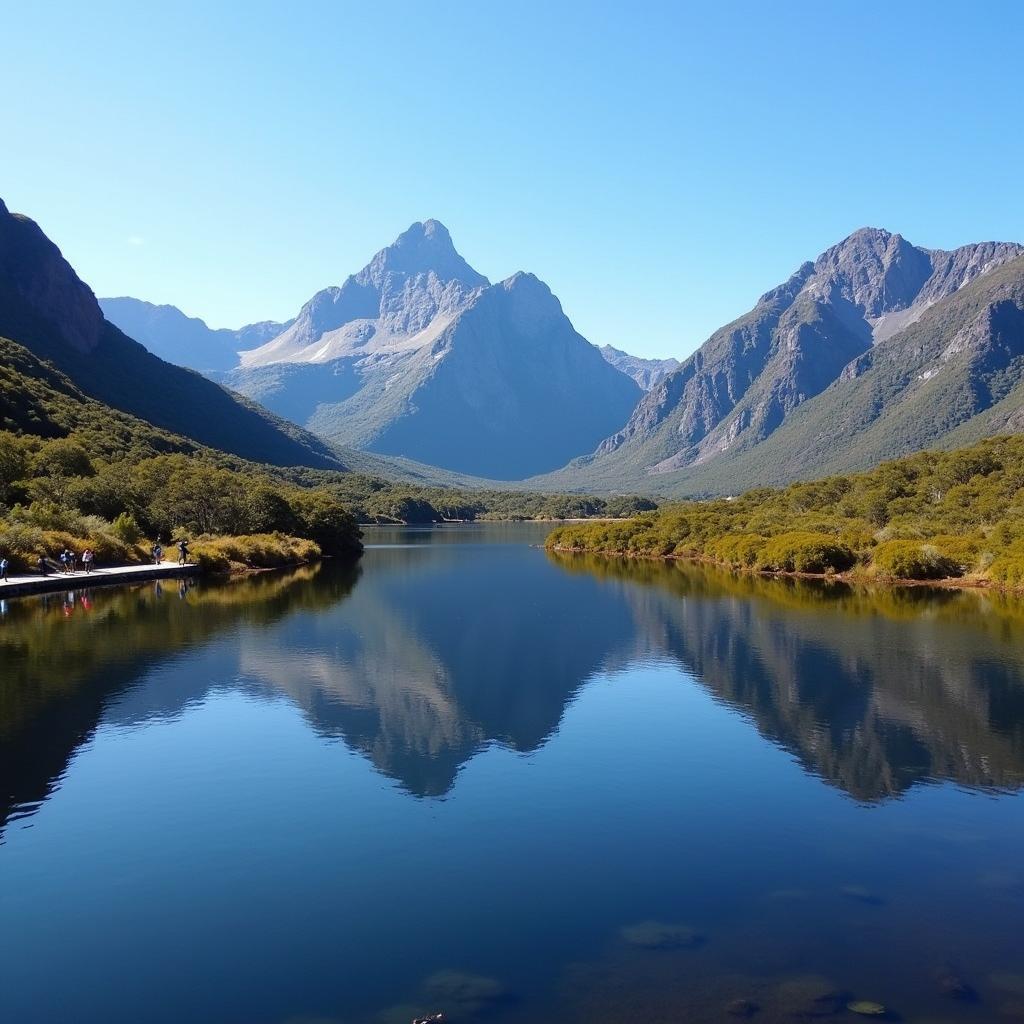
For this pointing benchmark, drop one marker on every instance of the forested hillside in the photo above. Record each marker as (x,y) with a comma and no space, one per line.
(935,515)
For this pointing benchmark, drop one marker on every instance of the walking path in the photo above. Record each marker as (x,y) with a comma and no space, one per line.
(36,584)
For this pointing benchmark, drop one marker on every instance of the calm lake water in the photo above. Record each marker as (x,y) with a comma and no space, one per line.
(467,776)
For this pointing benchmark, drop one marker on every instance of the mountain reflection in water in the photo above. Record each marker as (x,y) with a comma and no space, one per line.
(419,663)
(467,775)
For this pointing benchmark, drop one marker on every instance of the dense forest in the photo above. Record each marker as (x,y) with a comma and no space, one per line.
(77,473)
(930,516)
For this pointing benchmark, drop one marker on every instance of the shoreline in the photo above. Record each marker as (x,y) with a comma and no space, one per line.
(490,522)
(849,578)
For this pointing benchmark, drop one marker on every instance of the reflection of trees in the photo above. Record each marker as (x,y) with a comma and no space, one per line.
(64,656)
(873,690)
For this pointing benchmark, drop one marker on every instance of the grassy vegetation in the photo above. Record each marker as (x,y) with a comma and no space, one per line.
(930,516)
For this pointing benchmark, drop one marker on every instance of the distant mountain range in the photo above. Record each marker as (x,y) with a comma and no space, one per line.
(646,372)
(876,349)
(418,355)
(185,340)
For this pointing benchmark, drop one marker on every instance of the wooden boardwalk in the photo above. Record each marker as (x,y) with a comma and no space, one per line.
(16,586)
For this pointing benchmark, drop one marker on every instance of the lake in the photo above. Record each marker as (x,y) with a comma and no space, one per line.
(467,776)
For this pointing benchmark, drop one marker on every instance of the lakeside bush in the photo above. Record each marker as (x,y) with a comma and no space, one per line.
(912,560)
(253,551)
(933,515)
(805,552)
(23,542)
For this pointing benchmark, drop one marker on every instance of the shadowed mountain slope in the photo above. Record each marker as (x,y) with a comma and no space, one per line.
(46,308)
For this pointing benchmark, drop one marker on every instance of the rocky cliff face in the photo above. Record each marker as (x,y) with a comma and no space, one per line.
(867,295)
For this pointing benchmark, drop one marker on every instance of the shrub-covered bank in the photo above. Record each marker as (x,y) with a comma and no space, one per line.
(955,515)
(22,541)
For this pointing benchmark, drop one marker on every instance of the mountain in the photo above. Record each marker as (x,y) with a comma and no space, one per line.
(168,333)
(876,349)
(646,372)
(419,356)
(48,310)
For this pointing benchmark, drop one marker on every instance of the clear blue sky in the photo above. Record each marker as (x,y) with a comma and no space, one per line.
(658,165)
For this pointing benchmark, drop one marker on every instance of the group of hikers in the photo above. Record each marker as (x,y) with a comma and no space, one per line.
(157,553)
(67,561)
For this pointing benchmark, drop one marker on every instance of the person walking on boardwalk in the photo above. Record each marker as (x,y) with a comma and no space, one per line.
(3,569)
(64,561)
(72,560)
(182,552)
(87,560)
(158,553)
(41,565)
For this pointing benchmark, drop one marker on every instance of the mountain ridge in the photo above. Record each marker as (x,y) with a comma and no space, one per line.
(798,344)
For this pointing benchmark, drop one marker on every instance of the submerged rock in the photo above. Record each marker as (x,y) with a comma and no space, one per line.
(433,1018)
(866,1008)
(660,935)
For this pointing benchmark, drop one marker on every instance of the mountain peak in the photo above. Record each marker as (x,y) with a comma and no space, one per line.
(425,232)
(424,247)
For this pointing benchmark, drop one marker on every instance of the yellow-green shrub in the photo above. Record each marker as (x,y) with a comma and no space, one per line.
(964,552)
(22,543)
(913,560)
(252,551)
(805,552)
(1008,569)
(740,550)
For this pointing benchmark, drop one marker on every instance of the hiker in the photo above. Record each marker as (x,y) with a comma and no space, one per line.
(3,569)
(87,560)
(158,553)
(64,564)
(182,552)
(72,560)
